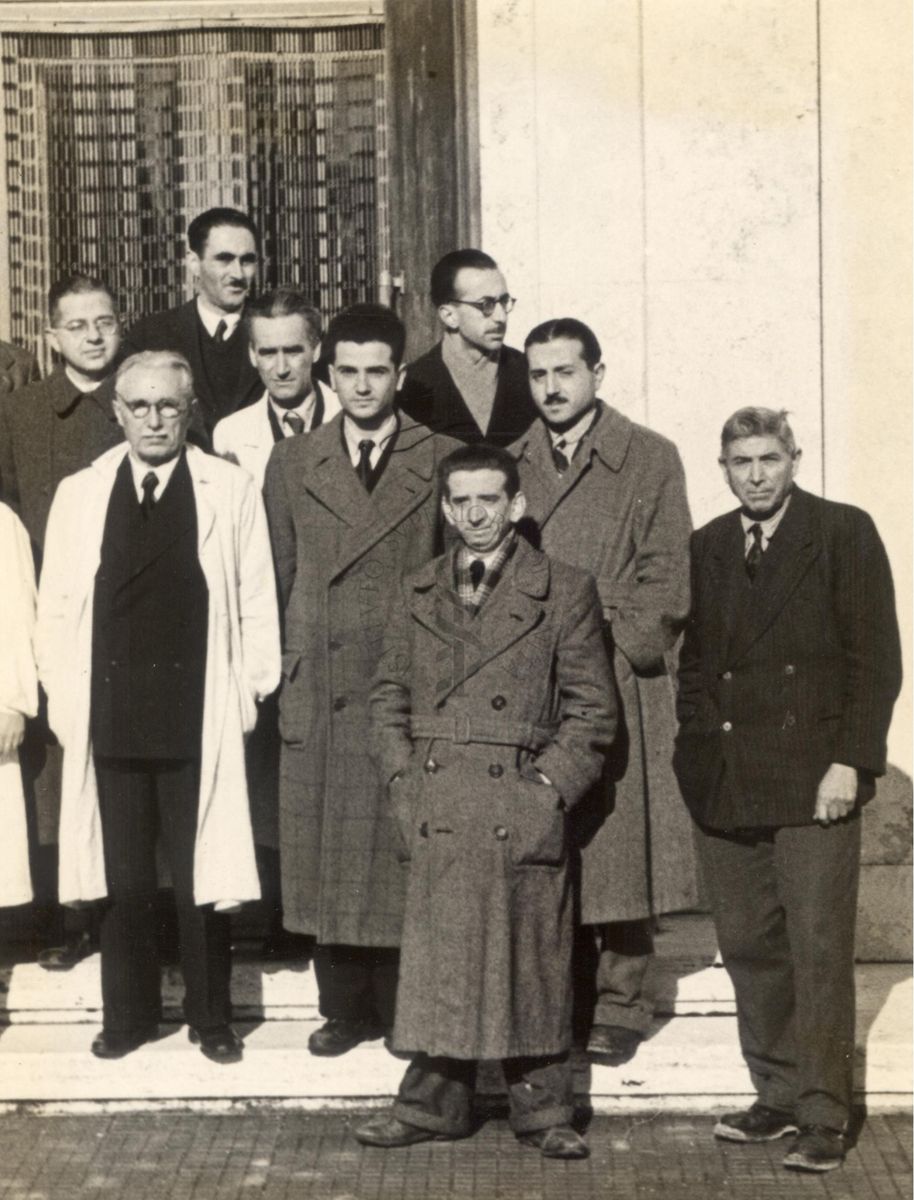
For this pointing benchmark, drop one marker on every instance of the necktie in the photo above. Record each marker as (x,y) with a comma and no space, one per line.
(477,570)
(559,457)
(294,422)
(219,335)
(754,557)
(150,483)
(364,467)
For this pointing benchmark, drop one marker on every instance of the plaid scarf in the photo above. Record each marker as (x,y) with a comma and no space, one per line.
(472,598)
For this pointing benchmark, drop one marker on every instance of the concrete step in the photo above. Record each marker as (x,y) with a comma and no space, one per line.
(691,1061)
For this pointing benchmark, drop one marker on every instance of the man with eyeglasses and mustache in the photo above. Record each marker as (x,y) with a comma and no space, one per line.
(158,634)
(48,430)
(470,385)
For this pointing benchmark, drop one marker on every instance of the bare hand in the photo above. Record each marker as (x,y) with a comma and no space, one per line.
(837,794)
(12,731)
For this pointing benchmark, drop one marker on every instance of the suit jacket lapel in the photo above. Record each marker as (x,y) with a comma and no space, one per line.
(791,552)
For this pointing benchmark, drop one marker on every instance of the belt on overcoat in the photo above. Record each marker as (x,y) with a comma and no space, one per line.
(462,730)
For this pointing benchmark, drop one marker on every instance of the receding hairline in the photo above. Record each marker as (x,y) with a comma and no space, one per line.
(157,360)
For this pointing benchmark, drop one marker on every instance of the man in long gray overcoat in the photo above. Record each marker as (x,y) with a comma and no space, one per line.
(352,508)
(492,707)
(608,495)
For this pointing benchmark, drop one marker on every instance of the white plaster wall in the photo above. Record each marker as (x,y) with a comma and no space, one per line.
(653,167)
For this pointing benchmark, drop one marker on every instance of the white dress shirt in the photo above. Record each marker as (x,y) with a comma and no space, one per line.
(380,437)
(162,471)
(305,410)
(211,317)
(570,438)
(769,525)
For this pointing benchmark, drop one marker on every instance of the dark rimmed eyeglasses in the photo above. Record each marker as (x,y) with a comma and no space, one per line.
(488,304)
(141,409)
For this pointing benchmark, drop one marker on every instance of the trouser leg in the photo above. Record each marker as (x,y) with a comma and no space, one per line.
(742,887)
(540,1092)
(818,872)
(131,994)
(357,983)
(437,1094)
(625,951)
(204,935)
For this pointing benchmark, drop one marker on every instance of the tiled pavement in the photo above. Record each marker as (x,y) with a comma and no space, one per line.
(271,1155)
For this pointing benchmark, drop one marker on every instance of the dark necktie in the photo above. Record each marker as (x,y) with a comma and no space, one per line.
(364,467)
(754,557)
(294,421)
(219,335)
(559,457)
(150,483)
(477,570)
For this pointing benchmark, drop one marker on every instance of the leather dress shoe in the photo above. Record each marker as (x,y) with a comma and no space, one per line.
(221,1045)
(62,958)
(756,1124)
(817,1148)
(559,1141)
(613,1044)
(337,1036)
(109,1044)
(389,1131)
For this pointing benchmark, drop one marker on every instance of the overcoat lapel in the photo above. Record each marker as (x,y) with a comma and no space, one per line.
(405,485)
(469,642)
(789,556)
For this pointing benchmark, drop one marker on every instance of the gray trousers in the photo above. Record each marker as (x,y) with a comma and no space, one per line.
(785,906)
(437,1093)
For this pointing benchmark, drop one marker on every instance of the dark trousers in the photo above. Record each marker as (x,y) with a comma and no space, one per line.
(437,1093)
(625,950)
(785,906)
(357,983)
(140,799)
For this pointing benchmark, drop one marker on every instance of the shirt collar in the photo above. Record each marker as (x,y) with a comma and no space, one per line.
(769,525)
(304,409)
(162,471)
(577,431)
(380,437)
(211,316)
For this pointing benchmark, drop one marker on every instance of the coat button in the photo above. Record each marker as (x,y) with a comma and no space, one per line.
(501,833)
(727,676)
(423,829)
(790,669)
(339,704)
(789,721)
(335,645)
(727,726)
(430,766)
(496,770)
(498,703)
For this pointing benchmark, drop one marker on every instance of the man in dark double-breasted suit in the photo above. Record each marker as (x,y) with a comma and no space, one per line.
(492,706)
(789,671)
(222,253)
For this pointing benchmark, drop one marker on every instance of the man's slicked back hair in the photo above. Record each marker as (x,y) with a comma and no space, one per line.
(444,272)
(479,456)
(758,422)
(570,328)
(285,302)
(366,323)
(202,226)
(75,284)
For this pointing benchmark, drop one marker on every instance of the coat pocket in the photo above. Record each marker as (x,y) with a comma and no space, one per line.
(537,830)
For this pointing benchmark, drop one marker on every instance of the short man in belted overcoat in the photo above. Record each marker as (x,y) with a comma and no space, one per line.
(491,710)
(789,669)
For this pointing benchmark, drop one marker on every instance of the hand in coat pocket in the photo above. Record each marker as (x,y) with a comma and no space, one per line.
(536,832)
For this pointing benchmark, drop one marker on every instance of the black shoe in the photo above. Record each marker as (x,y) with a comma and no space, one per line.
(221,1045)
(613,1045)
(559,1141)
(817,1148)
(108,1044)
(756,1124)
(337,1036)
(62,958)
(389,1131)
